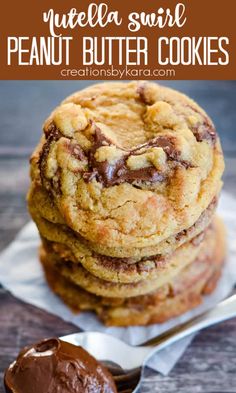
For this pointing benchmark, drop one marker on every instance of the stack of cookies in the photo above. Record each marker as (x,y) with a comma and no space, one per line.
(125,184)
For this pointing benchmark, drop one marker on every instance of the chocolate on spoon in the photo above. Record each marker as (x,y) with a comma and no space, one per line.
(55,366)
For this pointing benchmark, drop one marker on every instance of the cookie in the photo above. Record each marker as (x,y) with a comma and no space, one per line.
(128,271)
(171,300)
(52,226)
(77,274)
(129,165)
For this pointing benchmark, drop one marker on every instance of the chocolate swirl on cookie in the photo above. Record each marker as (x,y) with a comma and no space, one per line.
(112,174)
(204,130)
(143,95)
(118,172)
(52,134)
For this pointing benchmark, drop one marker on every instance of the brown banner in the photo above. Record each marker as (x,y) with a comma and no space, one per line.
(118,39)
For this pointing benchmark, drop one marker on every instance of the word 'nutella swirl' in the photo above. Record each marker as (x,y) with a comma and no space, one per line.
(56,366)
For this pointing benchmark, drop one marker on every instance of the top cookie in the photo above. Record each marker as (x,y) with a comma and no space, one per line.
(130,164)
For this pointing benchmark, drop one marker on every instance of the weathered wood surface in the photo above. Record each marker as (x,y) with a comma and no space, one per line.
(209,364)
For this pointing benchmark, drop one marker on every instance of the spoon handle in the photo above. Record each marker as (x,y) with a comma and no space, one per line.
(223,311)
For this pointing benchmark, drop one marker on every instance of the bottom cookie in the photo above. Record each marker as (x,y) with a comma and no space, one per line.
(182,294)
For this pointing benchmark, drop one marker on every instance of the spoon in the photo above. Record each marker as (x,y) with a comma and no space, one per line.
(125,361)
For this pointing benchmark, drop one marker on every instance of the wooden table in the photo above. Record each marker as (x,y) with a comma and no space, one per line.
(209,364)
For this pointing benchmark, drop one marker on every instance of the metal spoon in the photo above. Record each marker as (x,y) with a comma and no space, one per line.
(126,361)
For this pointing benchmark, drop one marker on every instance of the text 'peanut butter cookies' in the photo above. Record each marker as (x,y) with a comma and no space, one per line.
(130,163)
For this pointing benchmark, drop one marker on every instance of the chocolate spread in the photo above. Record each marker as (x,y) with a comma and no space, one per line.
(54,366)
(118,172)
(204,131)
